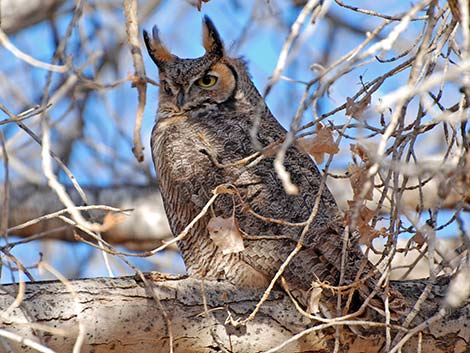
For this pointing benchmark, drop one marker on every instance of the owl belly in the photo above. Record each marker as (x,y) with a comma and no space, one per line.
(187,178)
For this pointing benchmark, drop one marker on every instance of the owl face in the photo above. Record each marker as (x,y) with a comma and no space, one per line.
(191,84)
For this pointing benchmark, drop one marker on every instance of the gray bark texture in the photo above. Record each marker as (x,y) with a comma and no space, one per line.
(122,315)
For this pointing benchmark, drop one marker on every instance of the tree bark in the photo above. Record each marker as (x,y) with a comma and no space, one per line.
(142,229)
(120,315)
(16,15)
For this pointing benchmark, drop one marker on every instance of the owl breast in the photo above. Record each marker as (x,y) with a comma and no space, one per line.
(175,147)
(175,142)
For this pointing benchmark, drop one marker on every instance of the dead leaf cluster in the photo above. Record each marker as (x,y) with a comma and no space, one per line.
(361,183)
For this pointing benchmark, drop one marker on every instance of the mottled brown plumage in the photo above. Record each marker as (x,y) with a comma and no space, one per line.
(202,129)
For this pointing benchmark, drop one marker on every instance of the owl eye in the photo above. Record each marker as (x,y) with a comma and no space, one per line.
(207,81)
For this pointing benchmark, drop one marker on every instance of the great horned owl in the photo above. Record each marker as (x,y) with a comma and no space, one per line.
(208,110)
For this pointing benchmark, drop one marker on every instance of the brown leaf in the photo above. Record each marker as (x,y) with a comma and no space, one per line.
(226,234)
(358,177)
(370,344)
(355,109)
(199,4)
(223,296)
(223,189)
(360,151)
(111,219)
(320,144)
(419,239)
(364,216)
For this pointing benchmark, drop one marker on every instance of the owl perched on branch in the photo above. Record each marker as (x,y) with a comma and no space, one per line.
(214,132)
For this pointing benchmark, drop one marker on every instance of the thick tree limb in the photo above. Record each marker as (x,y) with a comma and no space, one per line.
(120,315)
(146,226)
(142,229)
(16,15)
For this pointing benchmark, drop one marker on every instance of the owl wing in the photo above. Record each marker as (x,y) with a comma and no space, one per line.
(266,213)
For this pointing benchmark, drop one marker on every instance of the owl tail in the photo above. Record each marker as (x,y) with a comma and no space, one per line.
(361,279)
(363,283)
(378,296)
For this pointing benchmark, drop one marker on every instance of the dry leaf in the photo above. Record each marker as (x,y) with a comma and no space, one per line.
(371,344)
(355,109)
(360,151)
(223,189)
(111,219)
(366,232)
(199,4)
(358,177)
(314,296)
(226,234)
(320,144)
(419,239)
(460,346)
(223,296)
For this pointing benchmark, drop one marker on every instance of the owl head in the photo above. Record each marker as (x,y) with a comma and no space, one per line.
(189,84)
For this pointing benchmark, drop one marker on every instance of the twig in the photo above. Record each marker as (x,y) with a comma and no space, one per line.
(58,187)
(294,32)
(440,314)
(140,81)
(299,244)
(6,192)
(377,14)
(24,115)
(26,341)
(63,211)
(322,327)
(186,230)
(29,59)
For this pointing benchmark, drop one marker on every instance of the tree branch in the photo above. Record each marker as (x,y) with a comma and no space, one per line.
(16,15)
(142,229)
(146,226)
(121,315)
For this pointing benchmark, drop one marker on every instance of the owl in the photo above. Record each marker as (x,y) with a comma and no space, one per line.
(210,120)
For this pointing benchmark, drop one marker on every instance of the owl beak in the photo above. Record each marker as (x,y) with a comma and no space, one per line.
(180,98)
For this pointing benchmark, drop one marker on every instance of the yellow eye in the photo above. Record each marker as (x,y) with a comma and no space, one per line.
(207,81)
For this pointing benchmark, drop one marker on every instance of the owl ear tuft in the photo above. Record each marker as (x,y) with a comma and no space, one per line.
(157,51)
(211,38)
